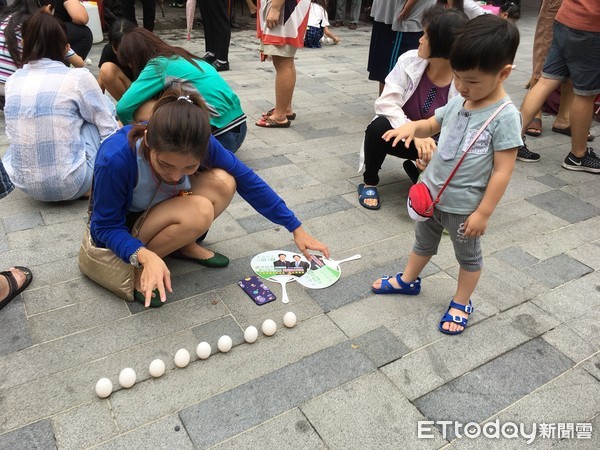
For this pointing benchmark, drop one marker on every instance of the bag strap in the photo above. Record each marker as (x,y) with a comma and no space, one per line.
(143,217)
(483,127)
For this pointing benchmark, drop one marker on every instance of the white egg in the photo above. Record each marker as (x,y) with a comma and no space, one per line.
(157,368)
(203,350)
(103,387)
(289,320)
(127,377)
(224,344)
(251,334)
(182,358)
(269,327)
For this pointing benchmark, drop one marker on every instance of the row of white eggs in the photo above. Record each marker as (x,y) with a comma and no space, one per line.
(127,377)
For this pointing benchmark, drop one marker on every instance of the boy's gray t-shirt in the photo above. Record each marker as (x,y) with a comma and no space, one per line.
(459,127)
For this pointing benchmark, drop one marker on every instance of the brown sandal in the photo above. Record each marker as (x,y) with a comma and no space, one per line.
(268,122)
(13,285)
(534,128)
(270,112)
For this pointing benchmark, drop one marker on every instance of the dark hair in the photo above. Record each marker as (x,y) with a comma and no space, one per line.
(456,4)
(117,30)
(322,3)
(179,124)
(281,254)
(441,25)
(44,36)
(19,11)
(512,9)
(486,43)
(139,46)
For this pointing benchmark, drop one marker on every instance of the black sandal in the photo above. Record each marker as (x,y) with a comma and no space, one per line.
(13,285)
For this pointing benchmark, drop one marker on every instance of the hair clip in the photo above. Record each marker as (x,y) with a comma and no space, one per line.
(186,98)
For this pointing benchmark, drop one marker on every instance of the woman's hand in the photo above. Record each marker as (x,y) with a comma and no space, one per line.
(155,274)
(406,132)
(306,242)
(425,147)
(273,15)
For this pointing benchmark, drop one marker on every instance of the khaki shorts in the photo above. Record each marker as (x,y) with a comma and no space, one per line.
(285,51)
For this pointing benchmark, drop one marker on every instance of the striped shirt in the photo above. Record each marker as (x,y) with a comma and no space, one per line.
(46,105)
(7,64)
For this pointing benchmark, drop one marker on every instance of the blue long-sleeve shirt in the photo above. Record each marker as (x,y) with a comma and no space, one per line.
(115,177)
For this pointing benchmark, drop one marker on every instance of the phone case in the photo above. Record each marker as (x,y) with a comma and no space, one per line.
(257,291)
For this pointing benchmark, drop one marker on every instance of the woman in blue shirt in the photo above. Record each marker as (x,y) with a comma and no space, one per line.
(174,166)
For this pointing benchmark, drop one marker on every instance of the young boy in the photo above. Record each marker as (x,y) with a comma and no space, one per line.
(481,60)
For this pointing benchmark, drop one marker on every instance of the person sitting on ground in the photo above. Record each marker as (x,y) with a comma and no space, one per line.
(156,65)
(420,82)
(480,68)
(115,77)
(55,117)
(75,17)
(176,168)
(318,25)
(11,42)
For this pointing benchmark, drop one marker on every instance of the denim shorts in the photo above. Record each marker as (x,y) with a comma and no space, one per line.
(575,54)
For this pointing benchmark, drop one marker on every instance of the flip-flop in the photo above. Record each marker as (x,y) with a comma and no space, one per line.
(270,112)
(268,122)
(567,132)
(534,128)
(13,285)
(368,192)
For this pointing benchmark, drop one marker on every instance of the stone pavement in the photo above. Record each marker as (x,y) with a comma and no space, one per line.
(358,371)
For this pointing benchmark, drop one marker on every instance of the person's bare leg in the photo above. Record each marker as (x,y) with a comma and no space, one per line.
(467,282)
(582,111)
(563,116)
(414,267)
(538,114)
(535,98)
(381,86)
(285,82)
(112,79)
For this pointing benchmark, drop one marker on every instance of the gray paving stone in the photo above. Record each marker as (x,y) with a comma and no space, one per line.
(71,351)
(579,337)
(492,387)
(3,241)
(246,312)
(84,426)
(211,332)
(23,221)
(558,270)
(570,398)
(516,257)
(167,433)
(38,435)
(368,412)
(592,366)
(180,389)
(564,206)
(552,181)
(268,163)
(588,254)
(381,346)
(76,317)
(358,286)
(290,430)
(430,367)
(573,299)
(228,414)
(15,334)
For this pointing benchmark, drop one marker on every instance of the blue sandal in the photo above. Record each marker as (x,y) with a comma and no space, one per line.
(456,319)
(405,288)
(365,193)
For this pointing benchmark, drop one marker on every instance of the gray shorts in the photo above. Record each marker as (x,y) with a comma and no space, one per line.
(428,235)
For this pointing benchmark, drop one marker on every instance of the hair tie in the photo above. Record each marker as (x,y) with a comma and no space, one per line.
(186,98)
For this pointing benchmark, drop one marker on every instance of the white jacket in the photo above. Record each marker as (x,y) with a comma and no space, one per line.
(400,84)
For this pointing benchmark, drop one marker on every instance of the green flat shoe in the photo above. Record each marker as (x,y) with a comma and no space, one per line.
(217,261)
(154,301)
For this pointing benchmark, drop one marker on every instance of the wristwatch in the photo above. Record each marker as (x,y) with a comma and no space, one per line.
(133,259)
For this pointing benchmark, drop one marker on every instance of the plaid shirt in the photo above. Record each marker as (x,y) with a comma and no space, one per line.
(6,187)
(46,106)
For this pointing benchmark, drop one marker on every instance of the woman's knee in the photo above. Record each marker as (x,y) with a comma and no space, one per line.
(199,214)
(225,183)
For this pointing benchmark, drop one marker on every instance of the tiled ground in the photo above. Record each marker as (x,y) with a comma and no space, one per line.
(359,371)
